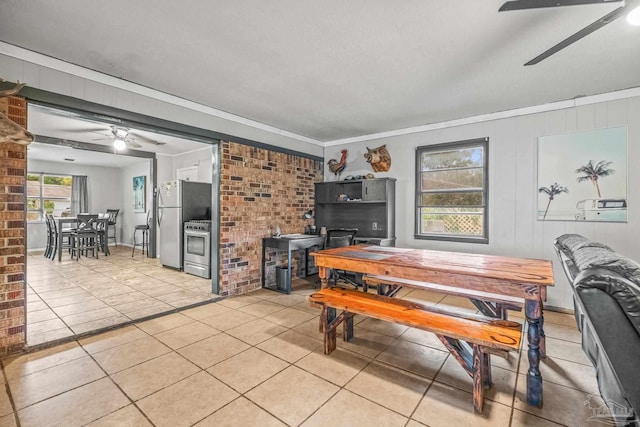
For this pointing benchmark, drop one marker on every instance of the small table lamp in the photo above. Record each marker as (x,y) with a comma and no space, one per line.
(309,229)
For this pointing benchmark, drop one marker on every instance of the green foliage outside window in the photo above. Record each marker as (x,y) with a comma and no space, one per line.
(58,180)
(451,187)
(45,193)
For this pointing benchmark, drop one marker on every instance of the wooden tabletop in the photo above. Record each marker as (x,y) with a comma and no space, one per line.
(522,277)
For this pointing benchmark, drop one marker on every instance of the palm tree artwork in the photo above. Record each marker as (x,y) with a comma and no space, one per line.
(593,172)
(552,191)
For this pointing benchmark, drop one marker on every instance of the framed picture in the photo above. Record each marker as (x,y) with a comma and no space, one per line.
(582,176)
(139,194)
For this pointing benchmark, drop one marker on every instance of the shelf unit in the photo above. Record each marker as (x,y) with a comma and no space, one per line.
(369,206)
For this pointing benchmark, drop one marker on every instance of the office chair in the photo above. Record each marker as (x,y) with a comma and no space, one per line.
(338,238)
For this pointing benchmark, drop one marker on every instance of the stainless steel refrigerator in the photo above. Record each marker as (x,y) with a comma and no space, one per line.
(179,201)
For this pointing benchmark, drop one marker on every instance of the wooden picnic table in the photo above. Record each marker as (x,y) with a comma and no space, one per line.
(521,278)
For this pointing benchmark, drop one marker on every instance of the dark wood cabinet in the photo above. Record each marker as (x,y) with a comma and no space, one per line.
(368,205)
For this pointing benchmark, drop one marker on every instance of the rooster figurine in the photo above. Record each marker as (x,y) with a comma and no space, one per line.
(337,167)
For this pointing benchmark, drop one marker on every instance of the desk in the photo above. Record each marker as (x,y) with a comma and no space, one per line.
(291,242)
(74,220)
(526,279)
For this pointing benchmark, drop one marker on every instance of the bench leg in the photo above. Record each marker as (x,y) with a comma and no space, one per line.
(486,370)
(329,334)
(347,327)
(479,360)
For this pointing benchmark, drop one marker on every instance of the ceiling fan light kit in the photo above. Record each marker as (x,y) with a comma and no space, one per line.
(633,17)
(119,144)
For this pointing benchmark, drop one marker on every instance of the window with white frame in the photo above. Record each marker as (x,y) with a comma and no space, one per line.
(451,191)
(48,194)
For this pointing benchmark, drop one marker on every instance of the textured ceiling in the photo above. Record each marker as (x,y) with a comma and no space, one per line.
(333,69)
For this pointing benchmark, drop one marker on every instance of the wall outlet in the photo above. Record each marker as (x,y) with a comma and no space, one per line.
(374,225)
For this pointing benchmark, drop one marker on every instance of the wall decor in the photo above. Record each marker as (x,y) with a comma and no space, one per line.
(338,166)
(582,176)
(139,194)
(379,158)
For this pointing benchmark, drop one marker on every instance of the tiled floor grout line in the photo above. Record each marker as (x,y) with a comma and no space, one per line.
(370,361)
(119,388)
(109,265)
(49,307)
(10,395)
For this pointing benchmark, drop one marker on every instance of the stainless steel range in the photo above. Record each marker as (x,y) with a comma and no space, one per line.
(197,248)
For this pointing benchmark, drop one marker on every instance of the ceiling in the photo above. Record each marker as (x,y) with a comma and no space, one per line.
(60,154)
(330,70)
(68,128)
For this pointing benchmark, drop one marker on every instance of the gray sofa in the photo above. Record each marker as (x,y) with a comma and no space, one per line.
(606,295)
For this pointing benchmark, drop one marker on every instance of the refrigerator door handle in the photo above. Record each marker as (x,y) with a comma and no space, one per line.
(159,215)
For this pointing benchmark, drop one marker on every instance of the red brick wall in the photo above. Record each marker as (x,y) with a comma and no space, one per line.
(259,190)
(13,165)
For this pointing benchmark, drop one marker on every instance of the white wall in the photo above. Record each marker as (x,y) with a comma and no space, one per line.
(103,187)
(127,217)
(513,228)
(200,158)
(167,166)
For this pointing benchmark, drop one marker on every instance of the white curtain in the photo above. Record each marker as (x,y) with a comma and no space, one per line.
(79,195)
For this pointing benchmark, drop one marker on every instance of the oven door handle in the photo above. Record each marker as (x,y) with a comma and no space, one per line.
(196,233)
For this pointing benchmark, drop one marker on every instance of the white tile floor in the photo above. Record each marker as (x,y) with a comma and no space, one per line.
(257,360)
(74,297)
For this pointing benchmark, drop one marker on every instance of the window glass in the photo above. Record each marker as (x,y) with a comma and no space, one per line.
(48,194)
(451,187)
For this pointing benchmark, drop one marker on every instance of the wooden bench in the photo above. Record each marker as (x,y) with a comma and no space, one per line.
(470,338)
(489,304)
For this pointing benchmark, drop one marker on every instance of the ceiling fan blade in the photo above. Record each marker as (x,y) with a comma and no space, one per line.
(87,130)
(607,19)
(141,138)
(536,4)
(132,143)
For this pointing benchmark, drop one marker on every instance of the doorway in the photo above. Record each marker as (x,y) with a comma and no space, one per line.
(68,297)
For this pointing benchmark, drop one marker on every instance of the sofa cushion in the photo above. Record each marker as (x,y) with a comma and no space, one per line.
(594,257)
(573,242)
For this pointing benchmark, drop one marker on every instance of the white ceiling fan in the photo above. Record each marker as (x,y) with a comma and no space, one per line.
(121,137)
(124,138)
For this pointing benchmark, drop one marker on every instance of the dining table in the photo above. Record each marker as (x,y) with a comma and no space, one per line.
(523,279)
(74,220)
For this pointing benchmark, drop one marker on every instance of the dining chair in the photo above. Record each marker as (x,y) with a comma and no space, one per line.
(50,237)
(145,235)
(53,234)
(102,233)
(113,216)
(85,237)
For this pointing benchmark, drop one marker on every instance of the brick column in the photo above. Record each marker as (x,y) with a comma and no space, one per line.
(259,189)
(13,166)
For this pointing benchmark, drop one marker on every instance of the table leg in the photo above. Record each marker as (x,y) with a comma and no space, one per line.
(263,262)
(59,241)
(323,273)
(543,341)
(289,268)
(533,313)
(106,240)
